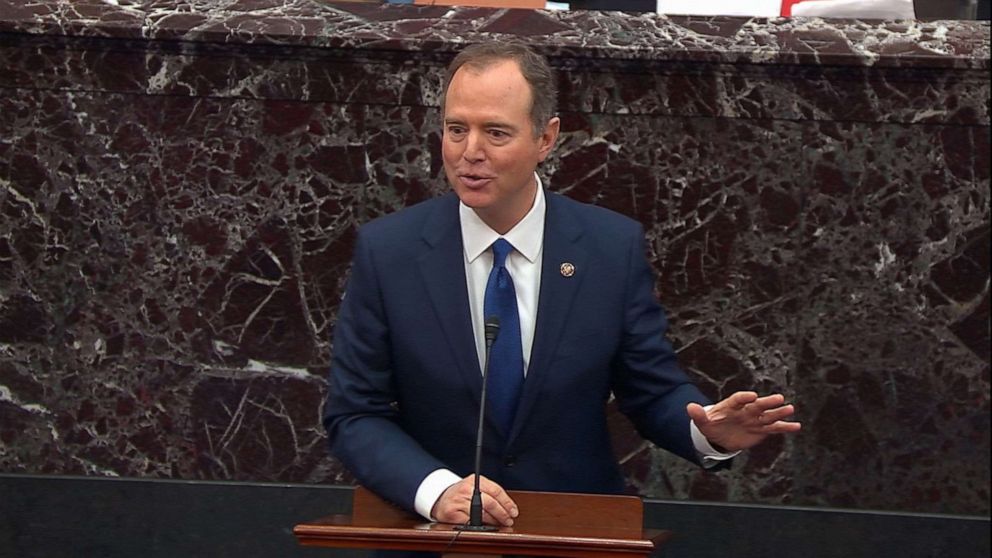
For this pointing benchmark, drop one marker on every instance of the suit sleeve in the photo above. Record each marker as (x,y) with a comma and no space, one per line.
(650,387)
(360,414)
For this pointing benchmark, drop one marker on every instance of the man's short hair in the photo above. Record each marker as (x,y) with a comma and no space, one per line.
(533,66)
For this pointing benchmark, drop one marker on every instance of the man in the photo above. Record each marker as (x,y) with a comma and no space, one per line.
(409,347)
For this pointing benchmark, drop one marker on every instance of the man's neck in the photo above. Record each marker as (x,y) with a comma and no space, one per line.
(503,222)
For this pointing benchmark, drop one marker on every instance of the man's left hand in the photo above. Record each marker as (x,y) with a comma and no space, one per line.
(743,419)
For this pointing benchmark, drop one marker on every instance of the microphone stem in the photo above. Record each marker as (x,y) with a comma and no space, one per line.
(475,508)
(475,511)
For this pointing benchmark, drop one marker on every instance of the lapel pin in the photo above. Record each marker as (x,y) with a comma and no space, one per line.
(567,269)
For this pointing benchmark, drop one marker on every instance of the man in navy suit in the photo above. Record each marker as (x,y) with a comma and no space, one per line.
(409,347)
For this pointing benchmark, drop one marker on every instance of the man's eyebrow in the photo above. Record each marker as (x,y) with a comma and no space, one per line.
(498,124)
(487,123)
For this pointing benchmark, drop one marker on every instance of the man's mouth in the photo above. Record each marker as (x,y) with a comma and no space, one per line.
(475,180)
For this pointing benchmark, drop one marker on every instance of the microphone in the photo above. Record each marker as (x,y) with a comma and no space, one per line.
(475,511)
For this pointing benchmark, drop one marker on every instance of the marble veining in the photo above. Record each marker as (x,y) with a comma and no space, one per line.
(181,181)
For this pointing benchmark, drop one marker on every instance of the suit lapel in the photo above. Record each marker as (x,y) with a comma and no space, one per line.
(443,270)
(557,295)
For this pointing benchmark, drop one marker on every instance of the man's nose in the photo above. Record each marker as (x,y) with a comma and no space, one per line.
(475,149)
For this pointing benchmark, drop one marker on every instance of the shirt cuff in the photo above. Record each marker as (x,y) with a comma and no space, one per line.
(430,490)
(709,455)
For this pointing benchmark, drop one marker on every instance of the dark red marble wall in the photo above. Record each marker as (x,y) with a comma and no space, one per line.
(180,184)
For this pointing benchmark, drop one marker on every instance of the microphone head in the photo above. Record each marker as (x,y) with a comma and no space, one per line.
(492,328)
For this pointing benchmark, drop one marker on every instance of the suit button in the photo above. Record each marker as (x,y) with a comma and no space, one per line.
(509,461)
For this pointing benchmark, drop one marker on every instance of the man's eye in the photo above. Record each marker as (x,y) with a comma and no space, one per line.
(499,134)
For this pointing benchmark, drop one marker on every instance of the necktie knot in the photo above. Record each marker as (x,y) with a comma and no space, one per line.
(501,249)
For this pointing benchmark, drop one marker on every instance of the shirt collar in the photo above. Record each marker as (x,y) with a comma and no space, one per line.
(526,236)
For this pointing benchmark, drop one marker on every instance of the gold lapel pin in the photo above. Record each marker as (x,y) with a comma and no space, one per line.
(567,269)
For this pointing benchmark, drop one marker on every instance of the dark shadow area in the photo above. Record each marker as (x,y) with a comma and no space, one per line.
(75,517)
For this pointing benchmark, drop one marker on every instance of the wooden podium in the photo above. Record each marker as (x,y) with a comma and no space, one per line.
(550,524)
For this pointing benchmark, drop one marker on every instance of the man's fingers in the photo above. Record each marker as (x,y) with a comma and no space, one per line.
(767,402)
(497,503)
(494,513)
(784,427)
(766,409)
(773,421)
(507,503)
(741,398)
(454,502)
(778,413)
(697,414)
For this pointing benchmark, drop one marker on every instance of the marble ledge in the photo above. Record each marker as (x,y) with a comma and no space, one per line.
(219,57)
(574,34)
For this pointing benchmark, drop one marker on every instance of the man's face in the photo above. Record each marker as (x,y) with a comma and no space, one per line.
(489,147)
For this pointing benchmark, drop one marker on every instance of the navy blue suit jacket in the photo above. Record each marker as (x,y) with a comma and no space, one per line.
(405,378)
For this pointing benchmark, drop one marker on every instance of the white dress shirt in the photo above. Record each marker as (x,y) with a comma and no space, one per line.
(523,263)
(524,266)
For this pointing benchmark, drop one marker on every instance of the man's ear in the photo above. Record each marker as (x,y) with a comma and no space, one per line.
(548,137)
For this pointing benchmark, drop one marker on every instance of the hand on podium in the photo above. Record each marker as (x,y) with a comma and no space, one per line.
(497,506)
(743,420)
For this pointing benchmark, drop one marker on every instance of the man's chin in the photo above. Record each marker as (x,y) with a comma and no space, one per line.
(473,198)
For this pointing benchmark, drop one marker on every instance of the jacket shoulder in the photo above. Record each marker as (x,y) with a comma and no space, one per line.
(409,222)
(602,219)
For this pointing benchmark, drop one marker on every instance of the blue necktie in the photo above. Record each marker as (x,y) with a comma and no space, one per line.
(506,361)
